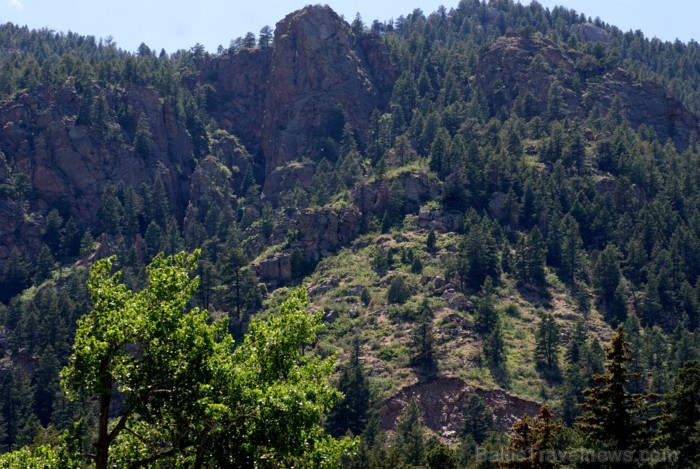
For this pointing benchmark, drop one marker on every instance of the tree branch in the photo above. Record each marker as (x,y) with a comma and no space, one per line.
(119,427)
(137,436)
(154,458)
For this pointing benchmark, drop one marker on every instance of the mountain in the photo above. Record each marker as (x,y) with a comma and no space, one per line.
(464,195)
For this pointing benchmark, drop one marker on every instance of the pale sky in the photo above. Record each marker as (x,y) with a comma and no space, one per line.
(175,24)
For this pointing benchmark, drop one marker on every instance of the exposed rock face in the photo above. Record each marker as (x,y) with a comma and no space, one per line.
(589,32)
(441,402)
(275,100)
(323,231)
(517,65)
(284,178)
(317,64)
(651,104)
(278,100)
(320,232)
(69,164)
(277,268)
(418,188)
(65,160)
(238,86)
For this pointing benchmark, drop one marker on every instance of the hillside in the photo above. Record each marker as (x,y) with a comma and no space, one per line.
(473,199)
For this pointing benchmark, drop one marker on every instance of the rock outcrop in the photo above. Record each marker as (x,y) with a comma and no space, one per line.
(418,188)
(317,64)
(323,231)
(275,100)
(589,32)
(279,100)
(68,164)
(318,234)
(237,87)
(524,68)
(441,402)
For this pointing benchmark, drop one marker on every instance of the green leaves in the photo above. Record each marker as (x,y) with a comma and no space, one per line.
(187,395)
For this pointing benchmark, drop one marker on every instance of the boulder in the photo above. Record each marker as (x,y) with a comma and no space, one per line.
(589,32)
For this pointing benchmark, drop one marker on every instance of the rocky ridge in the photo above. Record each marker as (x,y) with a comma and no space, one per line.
(525,67)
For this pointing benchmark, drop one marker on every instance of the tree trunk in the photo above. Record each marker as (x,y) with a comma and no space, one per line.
(102,444)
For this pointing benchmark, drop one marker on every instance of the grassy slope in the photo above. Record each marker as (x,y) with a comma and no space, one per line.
(385,330)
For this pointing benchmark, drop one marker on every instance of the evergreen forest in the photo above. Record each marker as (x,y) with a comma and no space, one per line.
(461,238)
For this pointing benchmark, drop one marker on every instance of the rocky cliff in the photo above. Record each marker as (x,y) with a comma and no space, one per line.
(519,69)
(276,100)
(280,100)
(68,164)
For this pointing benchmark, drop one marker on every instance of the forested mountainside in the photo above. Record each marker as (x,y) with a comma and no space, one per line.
(474,201)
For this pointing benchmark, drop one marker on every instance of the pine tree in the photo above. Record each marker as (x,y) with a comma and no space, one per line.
(16,406)
(265,37)
(154,239)
(398,292)
(430,240)
(70,239)
(571,249)
(531,257)
(547,348)
(486,313)
(47,384)
(423,347)
(16,275)
(532,439)
(234,262)
(44,264)
(109,215)
(409,436)
(52,232)
(87,244)
(681,422)
(441,456)
(555,101)
(143,140)
(495,351)
(478,419)
(352,411)
(607,274)
(478,256)
(439,155)
(612,417)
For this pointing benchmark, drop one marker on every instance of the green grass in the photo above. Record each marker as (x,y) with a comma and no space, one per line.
(385,331)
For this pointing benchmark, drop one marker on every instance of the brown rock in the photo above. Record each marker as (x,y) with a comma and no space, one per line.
(277,268)
(317,64)
(323,231)
(441,402)
(517,65)
(71,163)
(419,187)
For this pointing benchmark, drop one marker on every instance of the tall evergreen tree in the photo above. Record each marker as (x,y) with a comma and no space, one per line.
(423,347)
(531,257)
(478,419)
(143,139)
(496,357)
(478,256)
(409,436)
(607,274)
(352,411)
(547,348)
(571,248)
(681,422)
(612,417)
(17,408)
